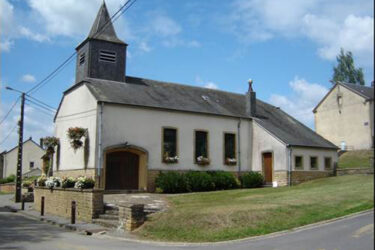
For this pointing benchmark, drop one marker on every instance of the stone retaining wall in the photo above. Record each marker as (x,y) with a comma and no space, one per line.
(131,216)
(8,188)
(58,201)
(349,171)
(302,176)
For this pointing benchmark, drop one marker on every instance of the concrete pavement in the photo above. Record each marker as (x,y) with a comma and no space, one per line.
(20,232)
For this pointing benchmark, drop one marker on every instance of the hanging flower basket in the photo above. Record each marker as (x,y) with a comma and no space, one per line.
(75,136)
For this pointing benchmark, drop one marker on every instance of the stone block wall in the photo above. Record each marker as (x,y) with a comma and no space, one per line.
(8,188)
(350,171)
(58,201)
(131,216)
(302,176)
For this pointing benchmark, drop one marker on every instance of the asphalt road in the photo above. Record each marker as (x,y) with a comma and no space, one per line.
(19,232)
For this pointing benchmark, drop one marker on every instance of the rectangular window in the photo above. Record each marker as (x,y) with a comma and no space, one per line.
(169,152)
(107,56)
(230,149)
(327,162)
(31,164)
(201,147)
(81,58)
(298,162)
(313,162)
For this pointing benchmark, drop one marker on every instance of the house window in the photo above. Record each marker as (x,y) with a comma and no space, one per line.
(31,164)
(298,162)
(81,58)
(169,149)
(230,149)
(313,162)
(327,162)
(201,147)
(107,56)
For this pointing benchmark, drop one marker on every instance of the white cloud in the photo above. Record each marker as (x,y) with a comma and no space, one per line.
(28,78)
(27,33)
(6,45)
(206,84)
(165,26)
(331,24)
(143,46)
(305,96)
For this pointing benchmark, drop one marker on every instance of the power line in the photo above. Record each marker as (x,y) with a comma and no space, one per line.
(39,105)
(10,110)
(45,104)
(68,60)
(41,110)
(11,131)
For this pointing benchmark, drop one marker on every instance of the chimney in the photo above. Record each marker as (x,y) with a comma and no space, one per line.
(251,100)
(41,142)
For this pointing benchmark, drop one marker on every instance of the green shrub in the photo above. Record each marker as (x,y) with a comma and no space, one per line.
(224,180)
(68,182)
(171,182)
(84,182)
(198,181)
(26,184)
(41,181)
(10,178)
(252,180)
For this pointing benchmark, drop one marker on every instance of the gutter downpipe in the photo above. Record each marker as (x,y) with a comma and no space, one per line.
(289,164)
(239,146)
(99,168)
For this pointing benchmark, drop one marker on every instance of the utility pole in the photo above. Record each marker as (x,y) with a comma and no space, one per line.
(19,156)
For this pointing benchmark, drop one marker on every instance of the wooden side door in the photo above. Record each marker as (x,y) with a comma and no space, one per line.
(267,167)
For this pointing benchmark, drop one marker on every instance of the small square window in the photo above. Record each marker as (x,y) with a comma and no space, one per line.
(313,162)
(327,162)
(298,162)
(31,164)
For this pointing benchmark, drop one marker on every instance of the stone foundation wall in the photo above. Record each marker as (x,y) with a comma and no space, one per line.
(58,201)
(281,177)
(75,173)
(302,176)
(8,188)
(349,171)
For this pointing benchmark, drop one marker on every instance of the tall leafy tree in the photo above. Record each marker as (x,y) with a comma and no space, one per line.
(345,70)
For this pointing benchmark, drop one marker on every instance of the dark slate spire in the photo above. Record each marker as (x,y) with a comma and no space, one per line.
(107,33)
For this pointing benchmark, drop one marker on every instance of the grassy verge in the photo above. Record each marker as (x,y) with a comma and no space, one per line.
(356,159)
(234,214)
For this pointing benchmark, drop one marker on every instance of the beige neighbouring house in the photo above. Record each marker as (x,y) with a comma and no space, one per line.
(138,127)
(345,116)
(31,159)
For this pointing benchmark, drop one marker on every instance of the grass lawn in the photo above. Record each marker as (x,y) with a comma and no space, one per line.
(356,159)
(234,214)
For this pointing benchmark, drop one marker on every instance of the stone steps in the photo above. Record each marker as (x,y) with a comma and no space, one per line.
(107,222)
(106,216)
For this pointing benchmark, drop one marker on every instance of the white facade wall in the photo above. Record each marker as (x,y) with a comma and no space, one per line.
(30,153)
(143,128)
(78,109)
(263,142)
(306,153)
(351,123)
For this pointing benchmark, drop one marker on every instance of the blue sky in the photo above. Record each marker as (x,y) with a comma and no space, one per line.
(287,47)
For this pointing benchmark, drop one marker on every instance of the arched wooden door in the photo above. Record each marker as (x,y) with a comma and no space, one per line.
(122,171)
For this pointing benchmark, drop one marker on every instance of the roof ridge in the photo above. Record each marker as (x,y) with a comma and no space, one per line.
(186,85)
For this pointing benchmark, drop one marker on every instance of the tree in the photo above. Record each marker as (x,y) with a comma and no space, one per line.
(345,70)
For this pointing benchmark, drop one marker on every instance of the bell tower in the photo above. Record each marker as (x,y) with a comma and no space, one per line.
(102,54)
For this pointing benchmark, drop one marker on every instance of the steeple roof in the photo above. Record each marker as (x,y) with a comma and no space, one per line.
(102,29)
